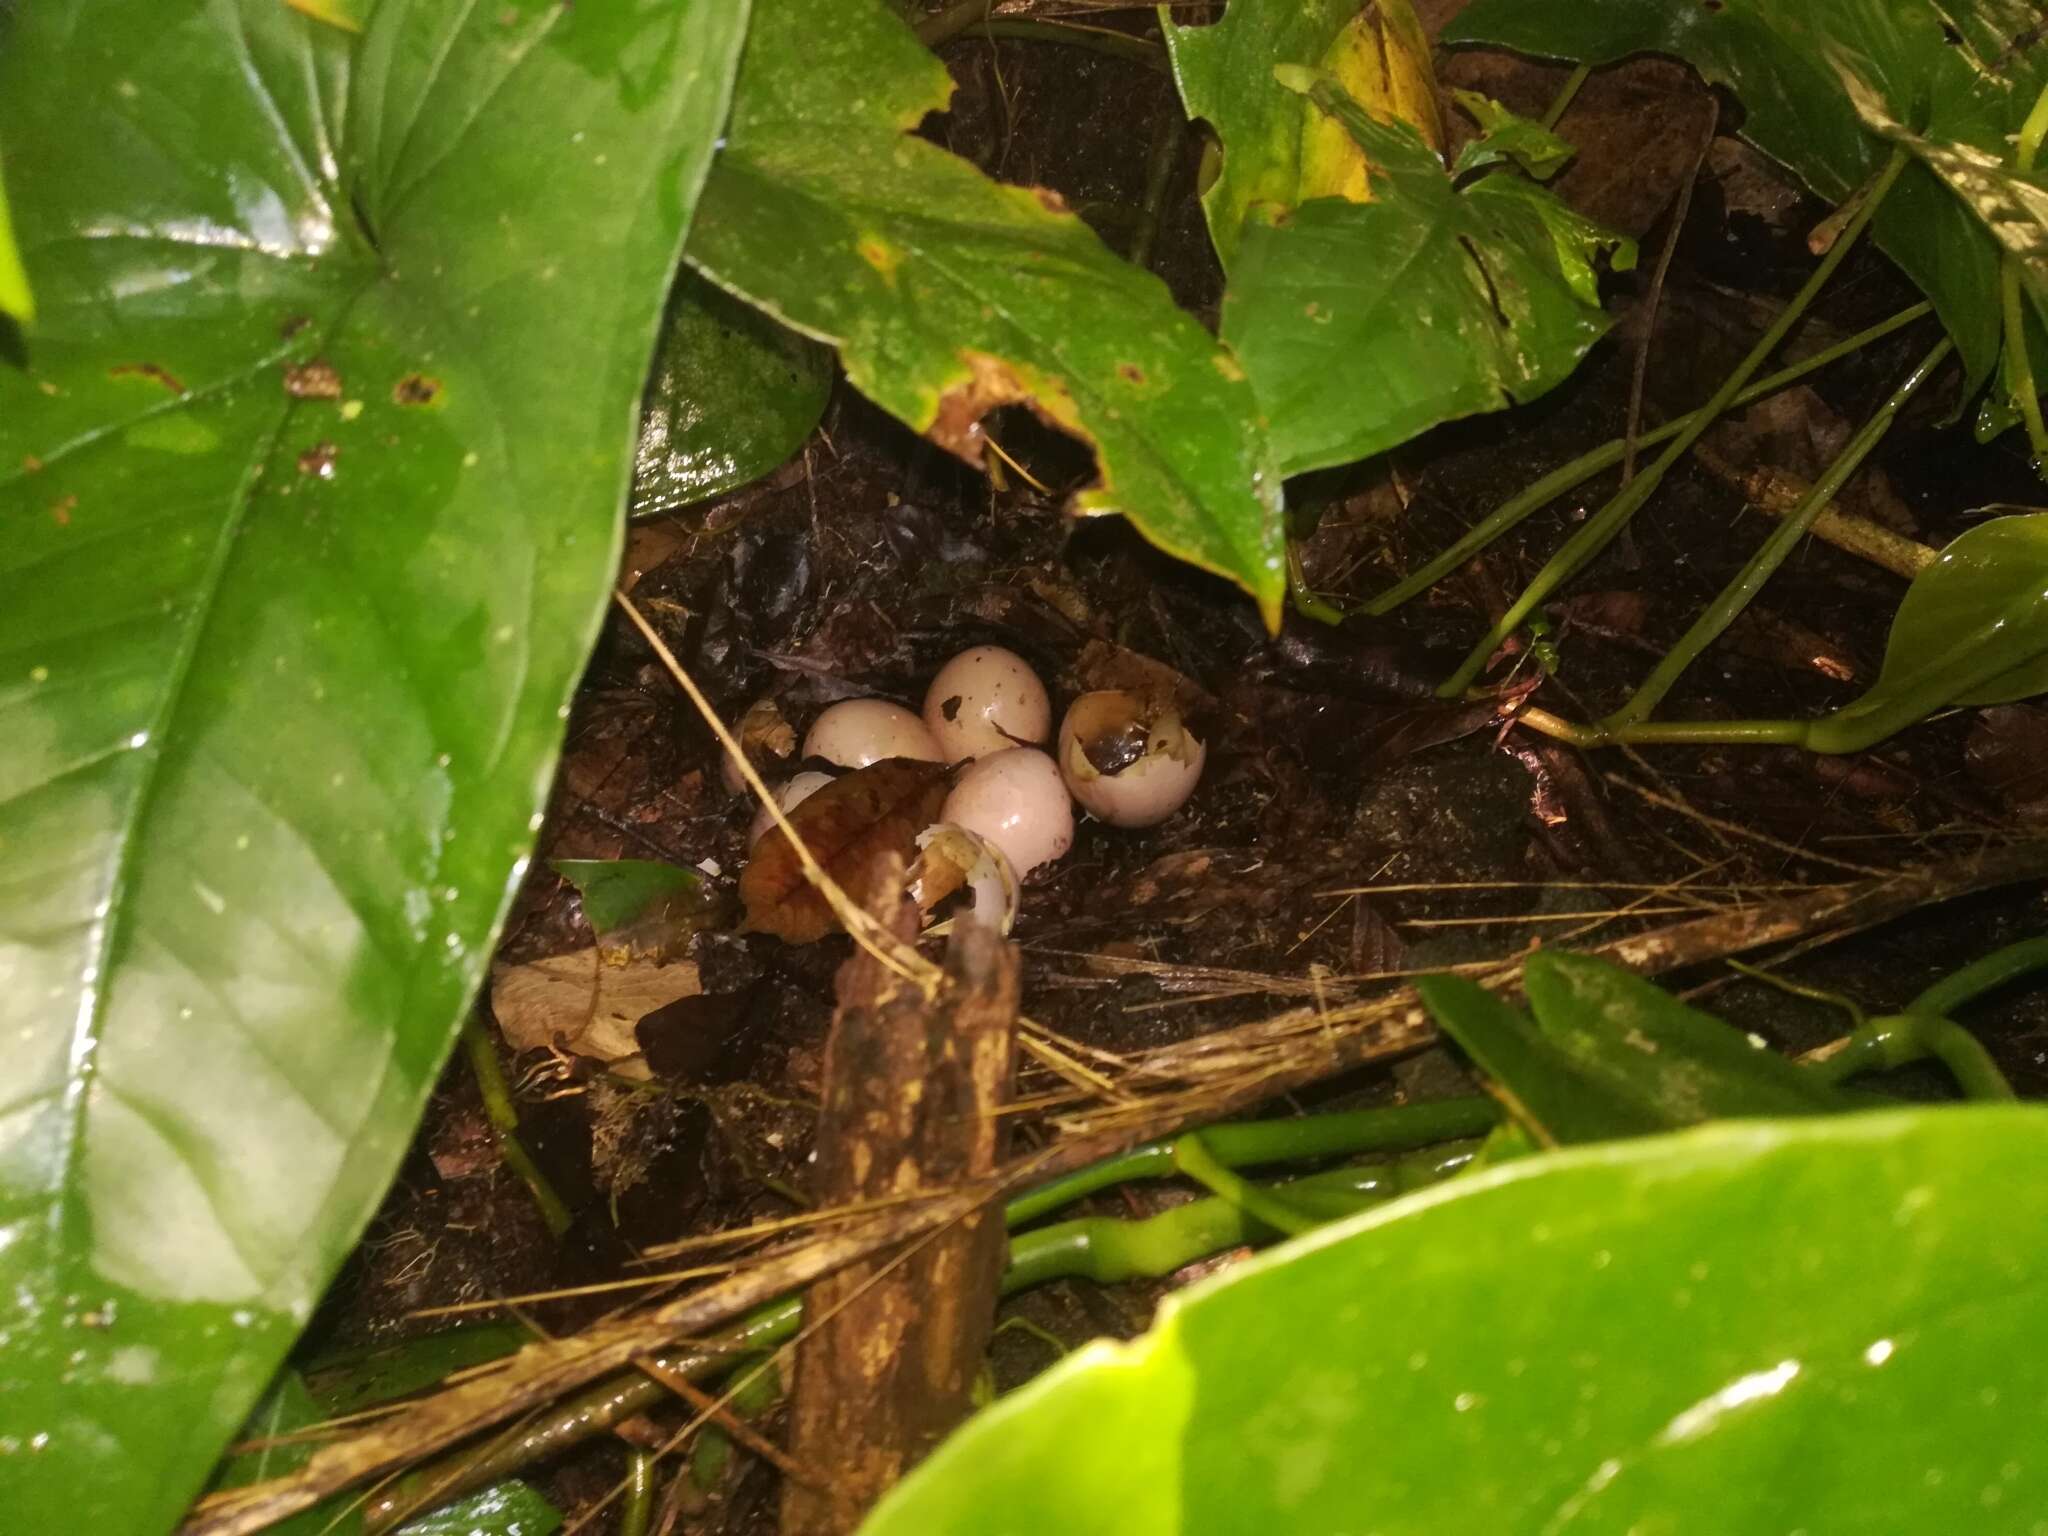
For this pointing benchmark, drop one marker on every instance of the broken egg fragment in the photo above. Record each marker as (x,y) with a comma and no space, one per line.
(1014,799)
(1128,763)
(788,797)
(857,732)
(951,858)
(986,700)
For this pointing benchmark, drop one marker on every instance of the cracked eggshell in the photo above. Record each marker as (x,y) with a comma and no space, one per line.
(857,732)
(986,700)
(1014,799)
(1128,763)
(788,796)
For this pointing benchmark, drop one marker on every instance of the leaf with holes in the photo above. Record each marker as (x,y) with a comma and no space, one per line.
(875,810)
(1827,1325)
(1363,324)
(311,488)
(949,295)
(1961,73)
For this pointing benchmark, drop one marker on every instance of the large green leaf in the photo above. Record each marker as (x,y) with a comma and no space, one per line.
(1973,629)
(1363,324)
(732,395)
(1827,1325)
(1960,72)
(948,294)
(311,488)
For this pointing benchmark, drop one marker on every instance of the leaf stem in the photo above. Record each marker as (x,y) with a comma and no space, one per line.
(1775,549)
(1602,527)
(1348,1133)
(1200,1164)
(504,1117)
(1567,476)
(637,1513)
(1665,733)
(1119,45)
(1899,1038)
(1566,93)
(1996,969)
(2020,361)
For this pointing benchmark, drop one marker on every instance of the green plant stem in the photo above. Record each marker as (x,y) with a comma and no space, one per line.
(1568,476)
(944,26)
(1100,1248)
(1566,93)
(1167,137)
(637,1513)
(756,1389)
(1118,45)
(504,1118)
(1602,527)
(1899,1038)
(1200,1164)
(2020,360)
(1307,602)
(1669,733)
(1349,1133)
(1776,548)
(1994,970)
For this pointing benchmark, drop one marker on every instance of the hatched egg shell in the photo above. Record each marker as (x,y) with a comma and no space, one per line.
(1126,764)
(1015,799)
(986,700)
(788,796)
(857,732)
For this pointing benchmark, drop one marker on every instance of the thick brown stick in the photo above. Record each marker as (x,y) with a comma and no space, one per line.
(912,1086)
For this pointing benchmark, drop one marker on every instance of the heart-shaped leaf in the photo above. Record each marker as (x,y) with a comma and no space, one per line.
(311,486)
(1973,629)
(1825,1325)
(732,395)
(1960,73)
(1363,324)
(949,294)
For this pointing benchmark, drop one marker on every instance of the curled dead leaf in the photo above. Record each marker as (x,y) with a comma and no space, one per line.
(878,809)
(586,1002)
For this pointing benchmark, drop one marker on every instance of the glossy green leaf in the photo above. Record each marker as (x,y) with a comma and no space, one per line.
(1508,138)
(15,297)
(1962,73)
(620,891)
(1549,1094)
(1644,1043)
(1276,147)
(948,294)
(1973,629)
(1821,1325)
(1363,324)
(509,1508)
(731,397)
(311,486)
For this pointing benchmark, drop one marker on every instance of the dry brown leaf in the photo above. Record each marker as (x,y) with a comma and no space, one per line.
(585,1002)
(845,825)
